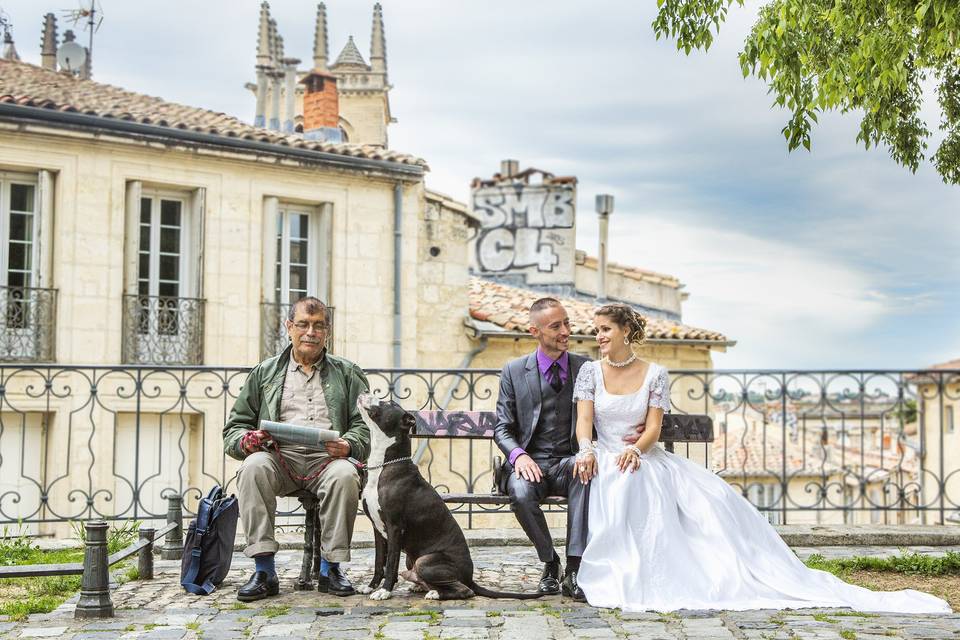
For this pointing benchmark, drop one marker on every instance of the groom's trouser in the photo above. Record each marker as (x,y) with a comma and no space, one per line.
(526,496)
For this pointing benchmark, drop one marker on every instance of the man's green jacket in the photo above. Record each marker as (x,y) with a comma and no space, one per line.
(259,399)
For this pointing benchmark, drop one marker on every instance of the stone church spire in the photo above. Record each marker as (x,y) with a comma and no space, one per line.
(378,42)
(264,37)
(321,51)
(9,48)
(48,43)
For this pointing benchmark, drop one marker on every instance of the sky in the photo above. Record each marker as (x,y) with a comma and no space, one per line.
(835,259)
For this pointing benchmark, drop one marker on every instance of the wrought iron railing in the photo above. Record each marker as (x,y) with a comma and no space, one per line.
(162,330)
(27,319)
(803,446)
(273,330)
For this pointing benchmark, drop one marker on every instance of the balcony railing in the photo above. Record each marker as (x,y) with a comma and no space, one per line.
(273,331)
(27,318)
(162,330)
(802,446)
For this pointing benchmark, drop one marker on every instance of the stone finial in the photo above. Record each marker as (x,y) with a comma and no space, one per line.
(350,55)
(321,51)
(48,43)
(9,49)
(264,37)
(274,51)
(378,42)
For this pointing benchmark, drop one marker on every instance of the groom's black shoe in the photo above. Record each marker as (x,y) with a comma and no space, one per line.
(550,578)
(335,582)
(571,588)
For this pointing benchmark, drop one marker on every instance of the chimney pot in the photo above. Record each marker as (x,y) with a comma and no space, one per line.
(604,205)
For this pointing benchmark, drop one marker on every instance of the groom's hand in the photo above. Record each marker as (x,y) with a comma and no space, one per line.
(526,468)
(633,436)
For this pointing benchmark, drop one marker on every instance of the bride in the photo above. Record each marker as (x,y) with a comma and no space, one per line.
(665,533)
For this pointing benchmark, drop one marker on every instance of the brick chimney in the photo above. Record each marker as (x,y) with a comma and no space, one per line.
(321,107)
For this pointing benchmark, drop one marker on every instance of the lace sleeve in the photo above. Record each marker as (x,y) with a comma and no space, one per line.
(660,391)
(586,384)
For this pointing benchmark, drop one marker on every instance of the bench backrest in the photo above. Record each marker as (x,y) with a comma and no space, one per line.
(479,424)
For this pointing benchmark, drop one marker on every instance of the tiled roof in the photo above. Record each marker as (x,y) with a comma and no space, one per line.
(950,365)
(30,85)
(755,451)
(508,307)
(590,262)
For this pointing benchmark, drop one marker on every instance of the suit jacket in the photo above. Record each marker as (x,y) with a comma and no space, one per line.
(518,405)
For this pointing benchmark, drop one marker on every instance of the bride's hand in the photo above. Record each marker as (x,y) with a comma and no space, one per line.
(629,460)
(585,467)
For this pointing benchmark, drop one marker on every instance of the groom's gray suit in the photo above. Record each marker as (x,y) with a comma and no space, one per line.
(532,416)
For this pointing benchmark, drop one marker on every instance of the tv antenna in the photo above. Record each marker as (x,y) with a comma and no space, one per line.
(91,15)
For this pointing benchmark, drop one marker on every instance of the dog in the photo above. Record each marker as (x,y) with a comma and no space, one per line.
(408,515)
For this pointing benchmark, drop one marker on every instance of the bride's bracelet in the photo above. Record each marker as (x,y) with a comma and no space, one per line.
(636,450)
(586,449)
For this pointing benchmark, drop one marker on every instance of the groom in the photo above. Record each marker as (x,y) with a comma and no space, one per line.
(536,430)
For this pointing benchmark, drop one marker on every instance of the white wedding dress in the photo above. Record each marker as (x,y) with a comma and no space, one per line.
(673,535)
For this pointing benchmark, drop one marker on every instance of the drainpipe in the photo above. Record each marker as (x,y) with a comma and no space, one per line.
(397,279)
(467,359)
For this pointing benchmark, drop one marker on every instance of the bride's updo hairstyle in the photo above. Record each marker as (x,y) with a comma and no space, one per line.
(633,324)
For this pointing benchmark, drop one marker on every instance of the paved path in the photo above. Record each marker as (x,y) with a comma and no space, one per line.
(160,610)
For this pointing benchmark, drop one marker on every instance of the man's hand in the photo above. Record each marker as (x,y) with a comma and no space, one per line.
(255,440)
(633,436)
(526,468)
(338,448)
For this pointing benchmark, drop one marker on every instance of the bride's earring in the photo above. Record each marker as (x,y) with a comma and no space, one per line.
(626,340)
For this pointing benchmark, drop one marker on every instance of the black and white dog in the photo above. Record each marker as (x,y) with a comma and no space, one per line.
(408,515)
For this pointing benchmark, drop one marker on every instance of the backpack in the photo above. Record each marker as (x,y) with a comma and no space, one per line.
(208,548)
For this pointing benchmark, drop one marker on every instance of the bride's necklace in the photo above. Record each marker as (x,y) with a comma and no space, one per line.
(618,365)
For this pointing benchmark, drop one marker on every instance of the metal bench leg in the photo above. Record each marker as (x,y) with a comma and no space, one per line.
(305,581)
(317,549)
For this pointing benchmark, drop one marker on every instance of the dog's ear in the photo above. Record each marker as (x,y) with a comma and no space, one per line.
(409,422)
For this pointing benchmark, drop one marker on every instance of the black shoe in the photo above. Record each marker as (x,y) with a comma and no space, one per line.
(260,585)
(571,588)
(550,578)
(335,582)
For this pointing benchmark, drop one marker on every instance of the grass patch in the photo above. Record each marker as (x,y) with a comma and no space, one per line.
(275,611)
(236,606)
(822,617)
(131,574)
(848,635)
(150,626)
(193,626)
(20,597)
(909,563)
(493,613)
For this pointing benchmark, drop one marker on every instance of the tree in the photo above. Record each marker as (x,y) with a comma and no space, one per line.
(871,56)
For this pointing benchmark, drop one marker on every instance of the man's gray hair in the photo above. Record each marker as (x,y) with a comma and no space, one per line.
(310,305)
(541,305)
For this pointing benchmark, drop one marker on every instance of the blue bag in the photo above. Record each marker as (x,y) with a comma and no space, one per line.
(208,548)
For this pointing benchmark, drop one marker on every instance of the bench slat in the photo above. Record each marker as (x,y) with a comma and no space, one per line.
(677,427)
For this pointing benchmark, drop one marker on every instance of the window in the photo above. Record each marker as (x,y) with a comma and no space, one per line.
(295,267)
(161,268)
(18,251)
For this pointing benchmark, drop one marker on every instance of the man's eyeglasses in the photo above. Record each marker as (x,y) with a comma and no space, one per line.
(318,327)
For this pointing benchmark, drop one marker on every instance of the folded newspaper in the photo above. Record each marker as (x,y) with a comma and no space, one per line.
(295,434)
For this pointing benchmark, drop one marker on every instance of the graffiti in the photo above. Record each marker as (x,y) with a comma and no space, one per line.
(526,229)
(477,424)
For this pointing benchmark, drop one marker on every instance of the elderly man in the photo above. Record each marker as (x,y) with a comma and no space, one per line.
(303,385)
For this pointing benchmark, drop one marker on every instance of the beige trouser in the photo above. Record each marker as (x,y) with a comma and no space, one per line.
(262,480)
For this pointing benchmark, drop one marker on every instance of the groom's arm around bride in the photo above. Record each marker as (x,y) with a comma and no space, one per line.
(536,431)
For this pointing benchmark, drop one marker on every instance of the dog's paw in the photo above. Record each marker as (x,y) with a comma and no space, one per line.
(432,595)
(364,589)
(381,594)
(416,587)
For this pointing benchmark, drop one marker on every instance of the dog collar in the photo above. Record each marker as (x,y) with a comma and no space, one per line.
(383,464)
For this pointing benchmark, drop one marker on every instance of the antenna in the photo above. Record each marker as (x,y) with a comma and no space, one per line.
(93,14)
(71,56)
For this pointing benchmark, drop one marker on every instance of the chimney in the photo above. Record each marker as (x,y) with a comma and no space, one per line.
(9,49)
(321,107)
(48,44)
(604,209)
(290,93)
(509,168)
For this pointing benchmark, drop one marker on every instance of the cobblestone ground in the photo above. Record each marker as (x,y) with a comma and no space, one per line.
(160,610)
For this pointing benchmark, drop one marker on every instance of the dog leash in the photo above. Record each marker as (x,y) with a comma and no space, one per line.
(383,464)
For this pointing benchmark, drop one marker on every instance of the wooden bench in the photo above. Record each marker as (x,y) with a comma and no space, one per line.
(479,425)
